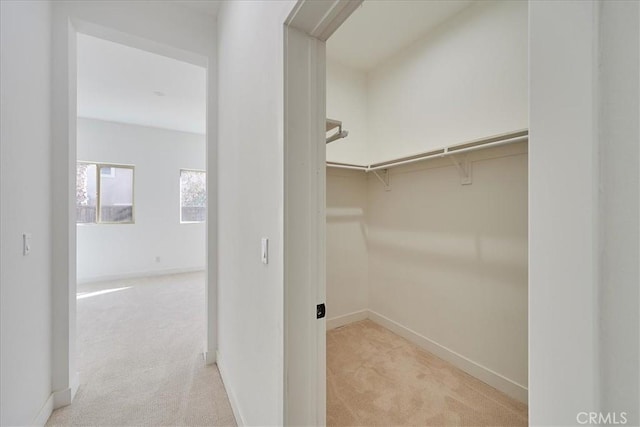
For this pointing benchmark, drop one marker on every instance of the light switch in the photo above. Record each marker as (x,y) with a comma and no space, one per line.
(265,250)
(26,244)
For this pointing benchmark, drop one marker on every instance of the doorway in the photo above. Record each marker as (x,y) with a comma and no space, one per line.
(71,20)
(141,210)
(308,262)
(427,225)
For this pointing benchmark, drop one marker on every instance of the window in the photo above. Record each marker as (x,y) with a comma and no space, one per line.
(107,172)
(86,193)
(193,196)
(104,194)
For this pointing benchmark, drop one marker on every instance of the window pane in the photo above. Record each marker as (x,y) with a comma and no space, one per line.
(116,194)
(107,172)
(193,196)
(86,193)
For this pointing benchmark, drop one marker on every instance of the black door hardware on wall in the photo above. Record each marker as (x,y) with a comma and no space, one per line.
(320,311)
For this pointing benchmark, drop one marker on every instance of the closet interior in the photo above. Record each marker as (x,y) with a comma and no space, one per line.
(427,200)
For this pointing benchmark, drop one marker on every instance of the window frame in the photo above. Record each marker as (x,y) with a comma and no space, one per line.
(180,194)
(99,176)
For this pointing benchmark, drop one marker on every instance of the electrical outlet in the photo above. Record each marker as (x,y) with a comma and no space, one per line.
(157,259)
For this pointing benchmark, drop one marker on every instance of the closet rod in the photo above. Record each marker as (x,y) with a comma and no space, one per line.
(447,151)
(495,141)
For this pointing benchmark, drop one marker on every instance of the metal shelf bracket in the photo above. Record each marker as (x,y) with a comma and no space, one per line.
(464,169)
(383,176)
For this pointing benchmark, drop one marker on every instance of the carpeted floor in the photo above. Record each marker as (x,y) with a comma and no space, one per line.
(140,359)
(377,378)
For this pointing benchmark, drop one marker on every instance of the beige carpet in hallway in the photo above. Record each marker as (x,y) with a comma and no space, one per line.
(377,378)
(140,348)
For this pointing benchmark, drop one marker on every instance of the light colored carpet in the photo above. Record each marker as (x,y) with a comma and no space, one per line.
(140,356)
(377,378)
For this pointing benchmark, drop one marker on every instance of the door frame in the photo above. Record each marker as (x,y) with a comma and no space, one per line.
(305,32)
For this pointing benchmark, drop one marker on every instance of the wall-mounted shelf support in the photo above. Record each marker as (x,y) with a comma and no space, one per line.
(464,169)
(330,125)
(383,176)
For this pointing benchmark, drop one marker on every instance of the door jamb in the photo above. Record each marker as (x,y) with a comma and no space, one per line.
(305,32)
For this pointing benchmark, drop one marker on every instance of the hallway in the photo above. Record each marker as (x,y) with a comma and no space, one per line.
(140,345)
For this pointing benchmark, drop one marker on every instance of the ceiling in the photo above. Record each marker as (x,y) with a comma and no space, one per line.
(123,84)
(379,28)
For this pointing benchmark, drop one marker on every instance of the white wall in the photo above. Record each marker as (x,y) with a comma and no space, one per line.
(466,79)
(584,232)
(583,211)
(25,284)
(347,293)
(446,263)
(449,261)
(160,27)
(250,135)
(347,102)
(120,250)
(619,209)
(346,244)
(563,211)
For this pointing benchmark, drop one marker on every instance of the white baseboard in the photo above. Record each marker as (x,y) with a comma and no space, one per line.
(336,322)
(138,274)
(209,357)
(44,414)
(56,400)
(494,379)
(65,396)
(230,393)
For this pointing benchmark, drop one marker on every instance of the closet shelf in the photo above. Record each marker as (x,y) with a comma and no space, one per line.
(332,124)
(478,144)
